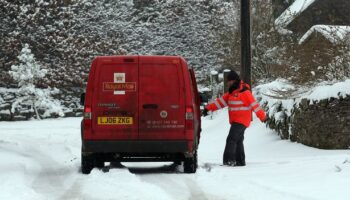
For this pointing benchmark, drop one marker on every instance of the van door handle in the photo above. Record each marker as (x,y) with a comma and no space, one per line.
(150,106)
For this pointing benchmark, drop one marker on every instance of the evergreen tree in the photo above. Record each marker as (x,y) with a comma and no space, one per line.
(27,74)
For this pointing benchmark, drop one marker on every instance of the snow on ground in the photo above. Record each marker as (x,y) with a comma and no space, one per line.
(41,160)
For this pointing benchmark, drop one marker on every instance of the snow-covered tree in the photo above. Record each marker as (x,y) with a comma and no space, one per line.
(27,74)
(67,35)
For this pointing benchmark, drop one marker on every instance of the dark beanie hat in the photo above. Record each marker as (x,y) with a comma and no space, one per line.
(232,76)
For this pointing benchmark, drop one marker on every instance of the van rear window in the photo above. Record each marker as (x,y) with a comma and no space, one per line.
(161,81)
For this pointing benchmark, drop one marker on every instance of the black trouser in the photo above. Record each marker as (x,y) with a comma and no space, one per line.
(234,150)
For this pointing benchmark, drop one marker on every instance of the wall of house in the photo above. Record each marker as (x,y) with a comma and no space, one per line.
(314,56)
(280,7)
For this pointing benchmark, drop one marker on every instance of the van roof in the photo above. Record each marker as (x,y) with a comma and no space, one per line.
(129,58)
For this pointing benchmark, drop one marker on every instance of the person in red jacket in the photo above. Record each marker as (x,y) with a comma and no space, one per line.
(240,103)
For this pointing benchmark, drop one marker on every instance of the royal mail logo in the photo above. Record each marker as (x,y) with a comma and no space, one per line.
(128,86)
(119,78)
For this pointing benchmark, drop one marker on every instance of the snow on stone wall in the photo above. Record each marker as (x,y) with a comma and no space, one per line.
(317,117)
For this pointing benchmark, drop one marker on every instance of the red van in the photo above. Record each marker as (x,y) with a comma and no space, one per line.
(140,108)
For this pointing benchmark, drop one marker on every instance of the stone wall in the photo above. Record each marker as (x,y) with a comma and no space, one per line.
(324,124)
(69,100)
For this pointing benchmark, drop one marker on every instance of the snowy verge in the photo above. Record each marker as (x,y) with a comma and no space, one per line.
(292,112)
(281,95)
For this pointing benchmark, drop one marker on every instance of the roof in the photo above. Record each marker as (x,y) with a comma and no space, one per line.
(292,12)
(334,34)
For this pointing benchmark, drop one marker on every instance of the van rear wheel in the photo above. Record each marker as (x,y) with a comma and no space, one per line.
(87,163)
(190,164)
(99,162)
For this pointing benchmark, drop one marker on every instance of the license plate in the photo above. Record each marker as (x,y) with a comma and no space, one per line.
(114,120)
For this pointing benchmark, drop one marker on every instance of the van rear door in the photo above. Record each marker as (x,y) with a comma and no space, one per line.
(115,100)
(161,99)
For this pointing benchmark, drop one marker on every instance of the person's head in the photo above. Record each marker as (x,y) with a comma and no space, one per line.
(233,78)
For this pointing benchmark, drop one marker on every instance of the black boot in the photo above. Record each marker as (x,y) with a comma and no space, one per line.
(230,163)
(241,163)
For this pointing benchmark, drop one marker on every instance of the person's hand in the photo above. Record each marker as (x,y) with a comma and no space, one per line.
(205,112)
(266,119)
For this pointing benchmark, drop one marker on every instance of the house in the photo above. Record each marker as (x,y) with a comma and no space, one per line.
(326,34)
(321,28)
(302,15)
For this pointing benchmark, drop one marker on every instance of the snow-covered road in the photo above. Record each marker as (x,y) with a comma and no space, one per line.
(41,160)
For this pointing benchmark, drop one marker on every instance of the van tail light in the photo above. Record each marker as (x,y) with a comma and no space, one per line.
(87,122)
(189,118)
(87,112)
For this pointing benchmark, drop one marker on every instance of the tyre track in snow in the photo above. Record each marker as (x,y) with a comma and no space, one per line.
(47,180)
(50,180)
(74,192)
(195,190)
(167,182)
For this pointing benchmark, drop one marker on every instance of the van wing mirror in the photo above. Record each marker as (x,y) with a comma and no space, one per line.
(82,99)
(203,98)
(200,98)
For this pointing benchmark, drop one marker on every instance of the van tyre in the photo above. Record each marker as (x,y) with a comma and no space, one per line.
(190,164)
(87,163)
(99,162)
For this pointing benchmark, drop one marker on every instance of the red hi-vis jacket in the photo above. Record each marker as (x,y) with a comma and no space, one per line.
(240,104)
